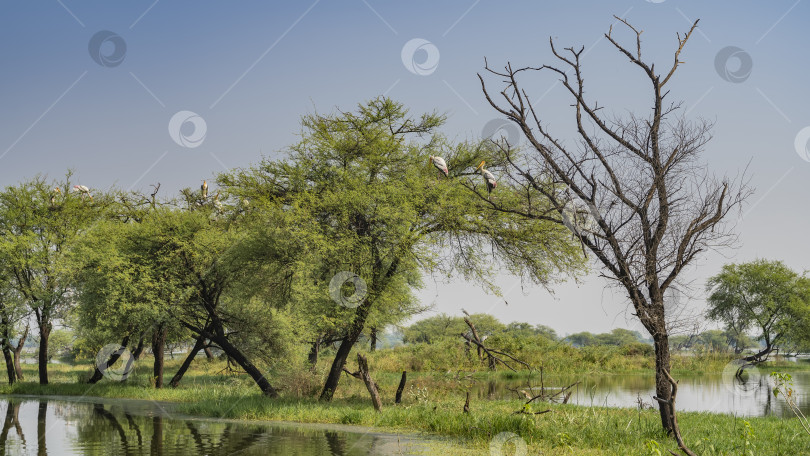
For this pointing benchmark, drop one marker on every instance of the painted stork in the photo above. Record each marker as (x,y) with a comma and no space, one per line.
(440,164)
(217,203)
(488,177)
(204,189)
(56,191)
(83,190)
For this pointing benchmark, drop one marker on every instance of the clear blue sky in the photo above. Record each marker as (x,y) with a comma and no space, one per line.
(250,69)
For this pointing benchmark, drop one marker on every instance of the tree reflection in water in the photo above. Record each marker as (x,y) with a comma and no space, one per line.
(113,428)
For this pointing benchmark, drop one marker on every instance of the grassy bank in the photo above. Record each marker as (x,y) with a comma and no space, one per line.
(432,404)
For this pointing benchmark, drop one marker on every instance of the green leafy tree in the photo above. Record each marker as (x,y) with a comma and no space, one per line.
(582,339)
(547,332)
(358,194)
(123,290)
(38,222)
(713,340)
(762,296)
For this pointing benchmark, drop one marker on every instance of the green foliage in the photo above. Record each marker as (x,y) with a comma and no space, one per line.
(762,295)
(618,337)
(783,384)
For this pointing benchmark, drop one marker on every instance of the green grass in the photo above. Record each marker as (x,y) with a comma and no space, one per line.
(432,405)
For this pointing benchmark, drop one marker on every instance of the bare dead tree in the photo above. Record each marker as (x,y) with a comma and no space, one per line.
(630,187)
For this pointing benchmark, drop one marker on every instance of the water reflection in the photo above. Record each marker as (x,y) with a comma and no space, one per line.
(118,428)
(751,396)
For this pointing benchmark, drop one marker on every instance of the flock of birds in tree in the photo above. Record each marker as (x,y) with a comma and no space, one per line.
(204,193)
(85,192)
(438,162)
(489,178)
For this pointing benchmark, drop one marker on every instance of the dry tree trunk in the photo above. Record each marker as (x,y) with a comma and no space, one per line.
(400,388)
(365,375)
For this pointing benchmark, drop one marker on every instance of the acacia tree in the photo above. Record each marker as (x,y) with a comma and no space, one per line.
(762,295)
(120,296)
(359,195)
(630,187)
(37,226)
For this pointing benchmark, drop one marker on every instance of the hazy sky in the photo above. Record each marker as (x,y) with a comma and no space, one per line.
(93,86)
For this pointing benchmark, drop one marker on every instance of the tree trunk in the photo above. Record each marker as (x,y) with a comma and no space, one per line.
(158,347)
(198,345)
(208,354)
(44,333)
(139,349)
(761,356)
(401,387)
(242,360)
(12,374)
(362,365)
(18,352)
(373,337)
(343,352)
(662,386)
(98,374)
(135,355)
(314,349)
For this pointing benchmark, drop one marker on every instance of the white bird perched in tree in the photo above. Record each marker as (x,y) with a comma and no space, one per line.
(204,189)
(488,177)
(217,203)
(440,164)
(83,190)
(56,191)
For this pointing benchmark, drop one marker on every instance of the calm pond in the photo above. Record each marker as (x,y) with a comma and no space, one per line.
(119,427)
(71,426)
(717,392)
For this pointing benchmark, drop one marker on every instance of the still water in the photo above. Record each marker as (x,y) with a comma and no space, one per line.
(33,426)
(719,392)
